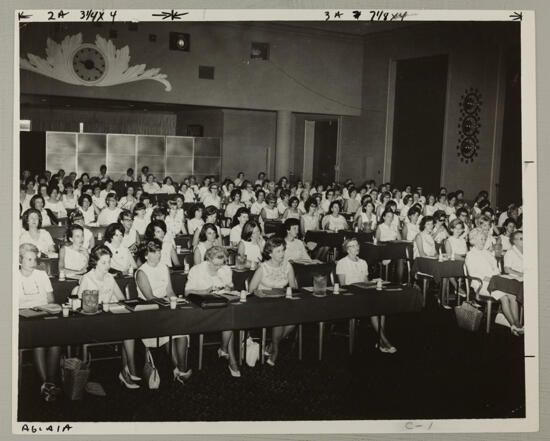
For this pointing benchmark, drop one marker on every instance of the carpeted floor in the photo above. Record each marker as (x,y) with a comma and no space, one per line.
(439,371)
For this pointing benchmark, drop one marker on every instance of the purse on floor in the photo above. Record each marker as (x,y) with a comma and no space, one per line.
(150,372)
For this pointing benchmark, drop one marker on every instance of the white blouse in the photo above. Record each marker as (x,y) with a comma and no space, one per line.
(34,289)
(353,271)
(387,233)
(514,259)
(43,243)
(199,277)
(158,277)
(108,216)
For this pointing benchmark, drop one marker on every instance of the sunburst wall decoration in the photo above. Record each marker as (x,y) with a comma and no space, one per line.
(100,64)
(468,125)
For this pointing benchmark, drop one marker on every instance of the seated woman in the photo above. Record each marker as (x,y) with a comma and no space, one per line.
(352,204)
(69,199)
(440,232)
(38,203)
(366,220)
(122,260)
(259,204)
(109,215)
(153,281)
(411,226)
(34,234)
(429,208)
(54,203)
(207,239)
(73,257)
(251,244)
(247,193)
(234,204)
(509,226)
(140,219)
(513,259)
(424,244)
(482,264)
(187,193)
(86,208)
(292,211)
(385,231)
(274,273)
(352,269)
(212,197)
(210,216)
(334,221)
(304,197)
(385,197)
(97,200)
(239,220)
(35,290)
(195,221)
(455,245)
(309,220)
(129,201)
(295,248)
(131,237)
(98,278)
(210,275)
(157,230)
(88,241)
(167,186)
(270,211)
(174,223)
(150,186)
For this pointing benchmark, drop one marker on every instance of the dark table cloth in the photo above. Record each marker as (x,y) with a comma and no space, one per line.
(439,270)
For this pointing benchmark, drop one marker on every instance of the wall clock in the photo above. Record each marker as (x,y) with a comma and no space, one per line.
(89,63)
(99,64)
(469,125)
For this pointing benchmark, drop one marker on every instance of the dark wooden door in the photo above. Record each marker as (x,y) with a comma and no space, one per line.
(419,116)
(324,150)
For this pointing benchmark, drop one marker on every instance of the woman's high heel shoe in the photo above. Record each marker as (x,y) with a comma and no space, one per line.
(182,376)
(132,377)
(127,382)
(236,374)
(222,354)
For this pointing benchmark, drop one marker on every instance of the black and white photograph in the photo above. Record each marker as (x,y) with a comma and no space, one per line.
(312,218)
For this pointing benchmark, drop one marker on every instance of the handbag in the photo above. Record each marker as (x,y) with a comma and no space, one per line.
(468,317)
(252,352)
(208,301)
(150,371)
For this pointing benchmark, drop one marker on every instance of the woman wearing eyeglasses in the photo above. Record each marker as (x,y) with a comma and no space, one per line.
(513,259)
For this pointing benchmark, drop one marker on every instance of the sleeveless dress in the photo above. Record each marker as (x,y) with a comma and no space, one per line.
(252,251)
(158,277)
(274,277)
(74,260)
(428,245)
(387,233)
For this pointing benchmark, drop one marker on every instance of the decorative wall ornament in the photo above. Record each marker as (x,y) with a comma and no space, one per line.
(469,125)
(100,64)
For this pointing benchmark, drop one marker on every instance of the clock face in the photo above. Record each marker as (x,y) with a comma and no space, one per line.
(89,64)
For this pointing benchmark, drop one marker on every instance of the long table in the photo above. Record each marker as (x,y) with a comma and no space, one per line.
(191,319)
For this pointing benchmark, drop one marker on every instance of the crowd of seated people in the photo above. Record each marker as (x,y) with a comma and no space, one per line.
(141,228)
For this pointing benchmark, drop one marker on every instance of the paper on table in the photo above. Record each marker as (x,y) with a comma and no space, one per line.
(119,309)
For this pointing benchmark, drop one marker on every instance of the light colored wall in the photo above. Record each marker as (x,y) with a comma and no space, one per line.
(211,120)
(246,137)
(328,82)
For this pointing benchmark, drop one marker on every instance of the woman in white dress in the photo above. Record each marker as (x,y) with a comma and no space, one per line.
(212,197)
(195,221)
(98,278)
(482,264)
(513,259)
(234,205)
(88,241)
(38,203)
(508,226)
(167,186)
(140,219)
(411,225)
(97,200)
(54,203)
(121,260)
(239,220)
(157,230)
(455,245)
(352,269)
(258,205)
(251,244)
(153,281)
(174,223)
(424,244)
(35,289)
(73,257)
(334,221)
(207,239)
(109,215)
(366,220)
(429,208)
(131,236)
(210,216)
(34,234)
(270,211)
(292,212)
(69,199)
(129,201)
(187,192)
(275,273)
(310,219)
(210,275)
(150,186)
(85,206)
(386,232)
